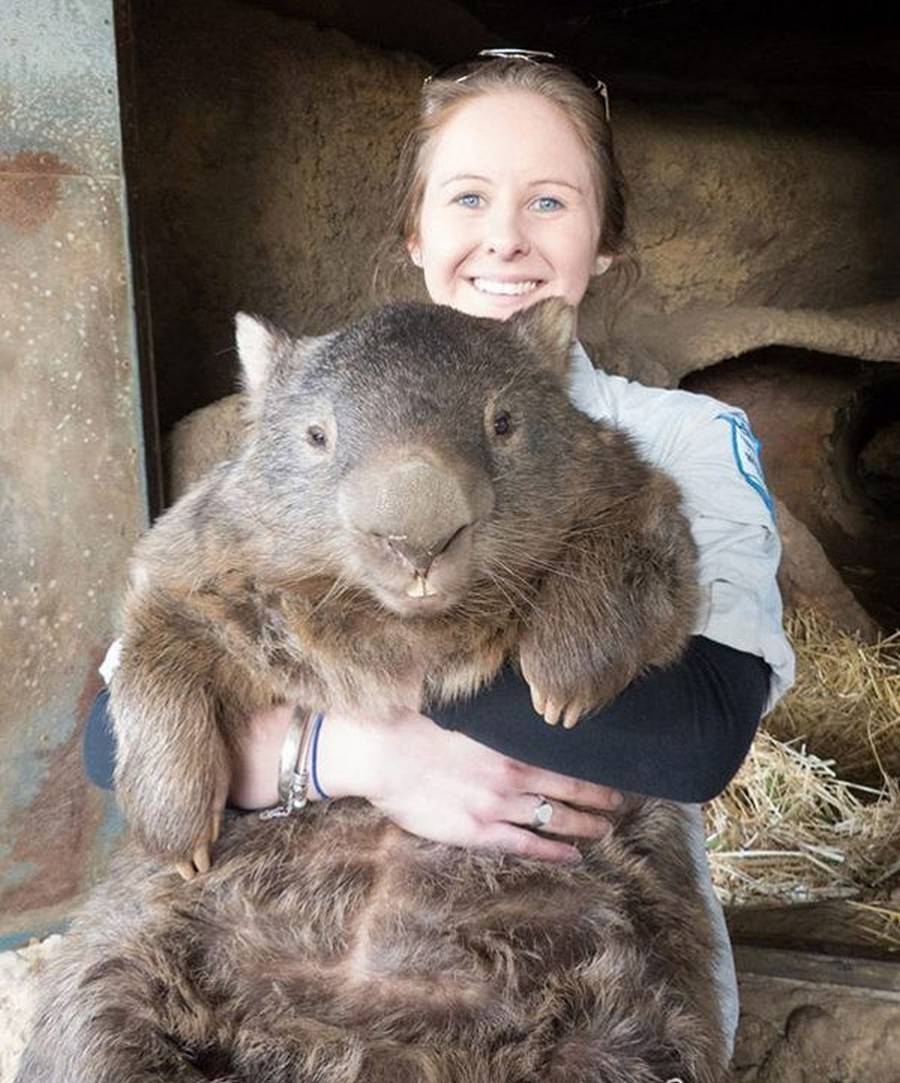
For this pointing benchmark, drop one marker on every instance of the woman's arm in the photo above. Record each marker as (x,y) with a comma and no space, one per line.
(433,782)
(679,733)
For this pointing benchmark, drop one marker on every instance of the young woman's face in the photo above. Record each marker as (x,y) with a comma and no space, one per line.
(510,211)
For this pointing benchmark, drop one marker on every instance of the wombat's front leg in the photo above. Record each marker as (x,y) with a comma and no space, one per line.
(620,599)
(173,766)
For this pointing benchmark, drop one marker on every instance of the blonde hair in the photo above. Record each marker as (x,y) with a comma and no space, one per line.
(442,96)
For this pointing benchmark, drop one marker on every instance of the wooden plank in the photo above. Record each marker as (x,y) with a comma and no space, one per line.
(801,966)
(834,927)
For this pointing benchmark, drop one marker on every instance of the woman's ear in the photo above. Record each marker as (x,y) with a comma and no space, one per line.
(415,252)
(602,264)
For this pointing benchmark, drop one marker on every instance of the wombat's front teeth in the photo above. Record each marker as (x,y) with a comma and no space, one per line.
(420,588)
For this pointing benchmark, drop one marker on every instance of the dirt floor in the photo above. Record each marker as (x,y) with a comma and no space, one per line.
(790,1032)
(802,1033)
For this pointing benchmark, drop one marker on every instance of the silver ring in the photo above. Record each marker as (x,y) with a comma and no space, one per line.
(542,815)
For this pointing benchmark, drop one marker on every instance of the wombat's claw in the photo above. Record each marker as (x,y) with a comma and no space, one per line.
(199,862)
(537,699)
(540,703)
(552,711)
(200,859)
(572,713)
(548,709)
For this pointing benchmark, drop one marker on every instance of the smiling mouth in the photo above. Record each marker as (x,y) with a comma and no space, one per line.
(496,288)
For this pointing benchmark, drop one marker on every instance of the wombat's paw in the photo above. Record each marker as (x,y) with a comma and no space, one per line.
(554,703)
(199,860)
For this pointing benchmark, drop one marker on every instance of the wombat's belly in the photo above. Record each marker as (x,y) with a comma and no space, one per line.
(339,916)
(332,945)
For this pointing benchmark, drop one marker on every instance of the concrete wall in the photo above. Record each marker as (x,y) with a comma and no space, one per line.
(71,494)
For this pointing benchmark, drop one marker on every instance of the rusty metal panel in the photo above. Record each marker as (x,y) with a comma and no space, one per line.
(72,499)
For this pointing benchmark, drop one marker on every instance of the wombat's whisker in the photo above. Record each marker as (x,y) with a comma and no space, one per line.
(555,567)
(509,598)
(508,585)
(341,587)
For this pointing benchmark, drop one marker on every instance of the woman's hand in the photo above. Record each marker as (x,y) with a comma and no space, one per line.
(432,782)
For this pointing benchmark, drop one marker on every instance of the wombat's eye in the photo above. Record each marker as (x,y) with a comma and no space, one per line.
(316,436)
(503,423)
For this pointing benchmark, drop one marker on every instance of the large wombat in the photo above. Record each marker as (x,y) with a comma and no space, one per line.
(418,502)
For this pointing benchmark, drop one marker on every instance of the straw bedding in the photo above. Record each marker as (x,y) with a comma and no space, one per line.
(814,813)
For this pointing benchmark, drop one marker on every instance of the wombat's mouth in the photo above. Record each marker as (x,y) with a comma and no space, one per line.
(418,596)
(414,594)
(412,580)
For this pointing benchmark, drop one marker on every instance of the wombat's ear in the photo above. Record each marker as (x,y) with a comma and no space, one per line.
(257,344)
(548,329)
(260,347)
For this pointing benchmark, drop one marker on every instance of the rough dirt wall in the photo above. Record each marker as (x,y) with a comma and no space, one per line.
(267,150)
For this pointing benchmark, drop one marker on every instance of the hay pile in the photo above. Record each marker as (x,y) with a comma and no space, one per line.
(20,972)
(814,813)
(846,699)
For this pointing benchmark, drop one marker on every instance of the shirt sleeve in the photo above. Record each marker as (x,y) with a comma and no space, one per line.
(732,518)
(679,733)
(709,449)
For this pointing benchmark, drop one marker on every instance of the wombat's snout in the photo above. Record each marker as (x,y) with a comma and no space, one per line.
(411,518)
(418,556)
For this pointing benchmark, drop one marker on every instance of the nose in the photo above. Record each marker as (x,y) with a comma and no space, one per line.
(506,235)
(420,556)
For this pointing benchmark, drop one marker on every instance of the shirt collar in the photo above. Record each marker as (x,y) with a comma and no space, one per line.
(582,380)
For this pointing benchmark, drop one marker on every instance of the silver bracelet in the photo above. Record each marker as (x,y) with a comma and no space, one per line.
(293,767)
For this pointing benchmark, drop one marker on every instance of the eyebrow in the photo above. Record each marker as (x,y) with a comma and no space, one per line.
(531,184)
(558,182)
(464,176)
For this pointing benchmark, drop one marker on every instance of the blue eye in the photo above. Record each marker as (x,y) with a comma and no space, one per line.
(469,199)
(548,203)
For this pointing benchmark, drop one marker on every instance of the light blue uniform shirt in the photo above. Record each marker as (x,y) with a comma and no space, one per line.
(709,449)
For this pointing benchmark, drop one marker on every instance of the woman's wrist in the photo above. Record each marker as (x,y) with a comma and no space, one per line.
(254,775)
(344,757)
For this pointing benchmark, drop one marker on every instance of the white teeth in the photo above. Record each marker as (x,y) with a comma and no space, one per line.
(420,588)
(507,289)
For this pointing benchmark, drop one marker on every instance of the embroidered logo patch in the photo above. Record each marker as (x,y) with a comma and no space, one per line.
(745,448)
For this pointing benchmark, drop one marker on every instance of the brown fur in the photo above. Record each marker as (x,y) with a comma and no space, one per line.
(335,946)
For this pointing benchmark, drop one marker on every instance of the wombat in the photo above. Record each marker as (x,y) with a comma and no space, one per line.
(417,503)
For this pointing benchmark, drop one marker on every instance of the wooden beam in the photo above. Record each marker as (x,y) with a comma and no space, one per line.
(871,975)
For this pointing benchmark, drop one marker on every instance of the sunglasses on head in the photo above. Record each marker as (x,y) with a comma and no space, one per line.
(460,71)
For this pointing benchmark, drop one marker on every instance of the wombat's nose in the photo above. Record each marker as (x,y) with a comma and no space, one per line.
(421,557)
(414,505)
